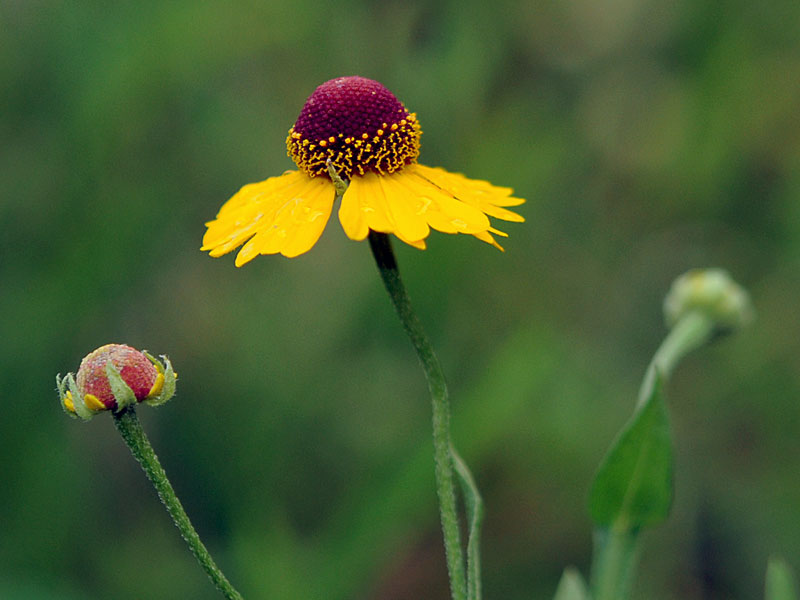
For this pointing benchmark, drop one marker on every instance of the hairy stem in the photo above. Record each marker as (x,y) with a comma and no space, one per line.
(445,487)
(128,425)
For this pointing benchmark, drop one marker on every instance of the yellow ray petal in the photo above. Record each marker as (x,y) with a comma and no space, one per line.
(409,221)
(485,236)
(478,193)
(497,232)
(252,191)
(352,213)
(297,223)
(309,221)
(249,210)
(418,244)
(366,193)
(440,210)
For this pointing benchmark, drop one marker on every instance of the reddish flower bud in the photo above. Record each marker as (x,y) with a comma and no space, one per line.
(134,367)
(115,376)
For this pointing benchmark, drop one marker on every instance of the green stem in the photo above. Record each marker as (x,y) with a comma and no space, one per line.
(692,331)
(612,567)
(445,488)
(615,548)
(128,425)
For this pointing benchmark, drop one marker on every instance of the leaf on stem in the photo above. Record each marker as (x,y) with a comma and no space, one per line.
(633,486)
(474,506)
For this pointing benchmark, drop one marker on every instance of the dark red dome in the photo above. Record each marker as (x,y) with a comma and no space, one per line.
(356,124)
(350,106)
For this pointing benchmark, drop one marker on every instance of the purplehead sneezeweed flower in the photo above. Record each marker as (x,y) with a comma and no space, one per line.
(355,141)
(115,378)
(354,129)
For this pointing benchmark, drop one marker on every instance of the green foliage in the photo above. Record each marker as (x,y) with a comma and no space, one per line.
(571,586)
(633,486)
(780,583)
(474,506)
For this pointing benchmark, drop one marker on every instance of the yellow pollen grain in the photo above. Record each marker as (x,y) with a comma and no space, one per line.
(384,151)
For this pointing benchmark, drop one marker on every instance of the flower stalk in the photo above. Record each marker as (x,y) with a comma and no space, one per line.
(130,428)
(633,486)
(445,487)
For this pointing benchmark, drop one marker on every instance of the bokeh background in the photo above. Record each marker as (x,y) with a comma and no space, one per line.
(648,137)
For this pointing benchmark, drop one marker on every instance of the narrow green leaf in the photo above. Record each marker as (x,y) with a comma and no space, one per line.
(571,586)
(474,506)
(633,486)
(780,581)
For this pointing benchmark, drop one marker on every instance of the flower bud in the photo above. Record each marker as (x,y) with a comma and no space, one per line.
(113,377)
(711,292)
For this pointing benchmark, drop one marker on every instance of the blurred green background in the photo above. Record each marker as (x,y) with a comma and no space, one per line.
(648,137)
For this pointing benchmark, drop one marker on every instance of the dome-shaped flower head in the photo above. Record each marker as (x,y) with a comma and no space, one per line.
(354,129)
(115,376)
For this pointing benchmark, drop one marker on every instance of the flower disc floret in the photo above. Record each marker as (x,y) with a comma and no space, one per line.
(356,124)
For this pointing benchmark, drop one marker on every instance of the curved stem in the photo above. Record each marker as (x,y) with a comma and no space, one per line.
(445,488)
(128,425)
(692,331)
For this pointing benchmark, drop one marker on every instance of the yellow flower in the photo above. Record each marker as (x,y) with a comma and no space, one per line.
(358,128)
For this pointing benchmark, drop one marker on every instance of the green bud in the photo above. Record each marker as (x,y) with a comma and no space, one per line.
(711,292)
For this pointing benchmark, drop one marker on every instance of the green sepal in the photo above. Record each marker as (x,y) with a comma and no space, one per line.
(122,392)
(170,381)
(156,363)
(633,485)
(572,586)
(780,584)
(62,384)
(83,411)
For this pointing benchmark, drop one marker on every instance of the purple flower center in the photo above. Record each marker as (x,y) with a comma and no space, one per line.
(358,125)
